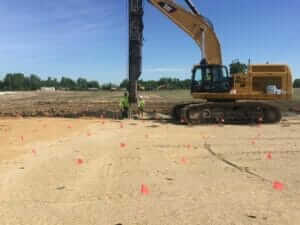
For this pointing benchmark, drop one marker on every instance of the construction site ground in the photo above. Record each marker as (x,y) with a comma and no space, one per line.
(94,104)
(77,104)
(69,171)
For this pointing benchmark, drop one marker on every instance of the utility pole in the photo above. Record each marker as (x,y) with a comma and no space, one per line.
(136,27)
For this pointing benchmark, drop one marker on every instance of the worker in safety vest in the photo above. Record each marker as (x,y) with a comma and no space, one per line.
(141,104)
(124,106)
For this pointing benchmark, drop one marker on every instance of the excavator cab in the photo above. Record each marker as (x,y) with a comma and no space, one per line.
(210,79)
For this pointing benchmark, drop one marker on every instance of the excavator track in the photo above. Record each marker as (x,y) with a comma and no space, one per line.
(176,112)
(227,113)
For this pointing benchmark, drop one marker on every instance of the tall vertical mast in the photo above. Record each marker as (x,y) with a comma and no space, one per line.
(136,28)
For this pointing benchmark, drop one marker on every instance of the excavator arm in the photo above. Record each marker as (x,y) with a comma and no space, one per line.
(195,25)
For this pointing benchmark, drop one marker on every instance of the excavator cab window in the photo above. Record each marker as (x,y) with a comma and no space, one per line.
(210,78)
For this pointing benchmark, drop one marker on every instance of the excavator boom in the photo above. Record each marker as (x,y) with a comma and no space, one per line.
(192,7)
(195,25)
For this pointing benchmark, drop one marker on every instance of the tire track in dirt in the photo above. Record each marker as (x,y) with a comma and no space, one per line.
(229,163)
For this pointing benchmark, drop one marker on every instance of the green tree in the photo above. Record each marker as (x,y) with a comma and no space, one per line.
(14,81)
(8,83)
(296,83)
(237,67)
(149,85)
(164,81)
(18,81)
(186,84)
(67,83)
(82,84)
(108,86)
(26,83)
(50,82)
(55,83)
(124,84)
(93,84)
(35,82)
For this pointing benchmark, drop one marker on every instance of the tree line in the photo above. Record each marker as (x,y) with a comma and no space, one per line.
(296,83)
(163,83)
(20,82)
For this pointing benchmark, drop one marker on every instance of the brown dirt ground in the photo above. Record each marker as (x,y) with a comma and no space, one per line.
(17,133)
(216,175)
(75,104)
(95,104)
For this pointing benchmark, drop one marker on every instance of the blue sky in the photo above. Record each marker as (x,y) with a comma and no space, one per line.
(89,38)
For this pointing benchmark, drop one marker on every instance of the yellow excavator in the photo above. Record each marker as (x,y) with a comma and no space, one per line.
(240,98)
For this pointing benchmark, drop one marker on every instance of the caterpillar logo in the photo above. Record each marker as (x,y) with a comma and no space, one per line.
(167,7)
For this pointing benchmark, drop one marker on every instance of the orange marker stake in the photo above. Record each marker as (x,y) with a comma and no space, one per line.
(269,156)
(122,145)
(278,186)
(79,161)
(144,189)
(183,160)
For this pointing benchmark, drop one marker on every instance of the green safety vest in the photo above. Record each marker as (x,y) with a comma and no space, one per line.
(141,104)
(124,103)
